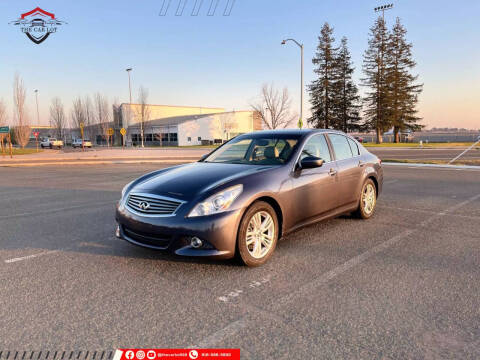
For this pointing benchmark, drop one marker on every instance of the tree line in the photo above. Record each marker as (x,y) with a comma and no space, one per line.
(391,90)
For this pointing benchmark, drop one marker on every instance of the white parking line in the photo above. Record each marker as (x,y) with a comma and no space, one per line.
(322,279)
(231,329)
(50,211)
(222,334)
(30,256)
(427,212)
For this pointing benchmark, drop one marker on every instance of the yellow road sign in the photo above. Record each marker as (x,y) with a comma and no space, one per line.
(123,131)
(110,132)
(300,123)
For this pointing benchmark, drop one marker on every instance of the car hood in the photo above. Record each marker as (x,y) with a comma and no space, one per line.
(187,181)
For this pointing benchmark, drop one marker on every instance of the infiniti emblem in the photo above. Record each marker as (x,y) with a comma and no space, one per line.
(144,205)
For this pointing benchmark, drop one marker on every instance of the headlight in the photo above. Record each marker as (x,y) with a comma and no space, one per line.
(217,203)
(124,190)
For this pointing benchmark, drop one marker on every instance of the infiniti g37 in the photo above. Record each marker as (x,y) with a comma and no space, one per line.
(240,199)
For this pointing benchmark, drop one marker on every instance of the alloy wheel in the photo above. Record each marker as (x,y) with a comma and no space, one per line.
(369,198)
(260,234)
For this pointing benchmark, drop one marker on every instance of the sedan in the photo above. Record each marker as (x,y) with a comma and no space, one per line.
(240,199)
(81,143)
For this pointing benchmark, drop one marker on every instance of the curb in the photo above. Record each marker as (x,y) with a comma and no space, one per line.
(112,158)
(97,163)
(444,166)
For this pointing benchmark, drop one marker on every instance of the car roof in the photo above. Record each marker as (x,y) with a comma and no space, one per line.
(294,132)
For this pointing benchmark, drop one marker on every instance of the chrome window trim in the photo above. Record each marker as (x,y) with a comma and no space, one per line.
(159,197)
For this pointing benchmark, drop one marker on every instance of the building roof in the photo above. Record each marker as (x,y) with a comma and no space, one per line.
(176,120)
(176,106)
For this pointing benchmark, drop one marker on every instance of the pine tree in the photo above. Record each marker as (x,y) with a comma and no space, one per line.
(347,100)
(321,90)
(403,91)
(376,98)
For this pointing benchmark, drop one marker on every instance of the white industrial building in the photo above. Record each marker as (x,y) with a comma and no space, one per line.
(166,125)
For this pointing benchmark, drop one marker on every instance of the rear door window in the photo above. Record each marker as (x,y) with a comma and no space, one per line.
(354,147)
(340,146)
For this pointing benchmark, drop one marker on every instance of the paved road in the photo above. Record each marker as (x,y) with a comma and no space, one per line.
(190,154)
(424,154)
(404,284)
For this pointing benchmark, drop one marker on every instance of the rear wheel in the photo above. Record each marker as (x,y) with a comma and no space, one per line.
(258,234)
(368,200)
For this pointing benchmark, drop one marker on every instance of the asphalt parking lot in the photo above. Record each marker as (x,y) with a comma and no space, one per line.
(404,284)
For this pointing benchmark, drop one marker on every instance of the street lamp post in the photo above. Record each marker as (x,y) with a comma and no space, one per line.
(38,116)
(36,99)
(300,122)
(383,8)
(130,104)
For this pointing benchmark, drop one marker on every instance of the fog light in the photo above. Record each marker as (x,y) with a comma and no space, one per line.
(196,243)
(117,231)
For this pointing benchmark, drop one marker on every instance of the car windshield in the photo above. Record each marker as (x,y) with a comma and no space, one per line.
(268,150)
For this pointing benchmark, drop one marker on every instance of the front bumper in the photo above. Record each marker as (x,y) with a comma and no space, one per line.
(173,233)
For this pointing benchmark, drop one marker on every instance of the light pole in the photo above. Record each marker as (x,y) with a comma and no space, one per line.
(130,105)
(300,121)
(383,8)
(36,99)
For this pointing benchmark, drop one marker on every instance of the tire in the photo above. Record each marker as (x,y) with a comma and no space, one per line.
(51,147)
(42,146)
(367,206)
(250,254)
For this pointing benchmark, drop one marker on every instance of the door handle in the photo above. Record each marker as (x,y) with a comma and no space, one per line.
(361,163)
(332,172)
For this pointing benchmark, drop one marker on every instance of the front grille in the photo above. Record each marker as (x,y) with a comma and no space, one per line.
(152,205)
(154,240)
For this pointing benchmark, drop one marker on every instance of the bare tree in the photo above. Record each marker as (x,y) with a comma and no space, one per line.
(3,122)
(89,117)
(227,124)
(274,107)
(22,128)
(77,113)
(102,114)
(143,111)
(57,117)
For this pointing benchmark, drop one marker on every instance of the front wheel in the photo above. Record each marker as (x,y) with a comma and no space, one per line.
(258,234)
(368,200)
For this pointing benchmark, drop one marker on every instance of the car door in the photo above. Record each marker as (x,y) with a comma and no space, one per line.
(314,189)
(349,168)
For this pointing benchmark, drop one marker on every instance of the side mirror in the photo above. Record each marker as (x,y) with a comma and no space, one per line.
(311,162)
(203,157)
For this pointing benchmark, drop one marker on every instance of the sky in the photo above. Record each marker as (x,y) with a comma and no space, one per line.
(222,61)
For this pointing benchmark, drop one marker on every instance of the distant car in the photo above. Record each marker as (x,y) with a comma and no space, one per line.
(359,139)
(78,143)
(51,143)
(242,197)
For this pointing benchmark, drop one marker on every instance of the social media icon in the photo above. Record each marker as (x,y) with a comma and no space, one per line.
(129,355)
(140,355)
(151,355)
(193,354)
